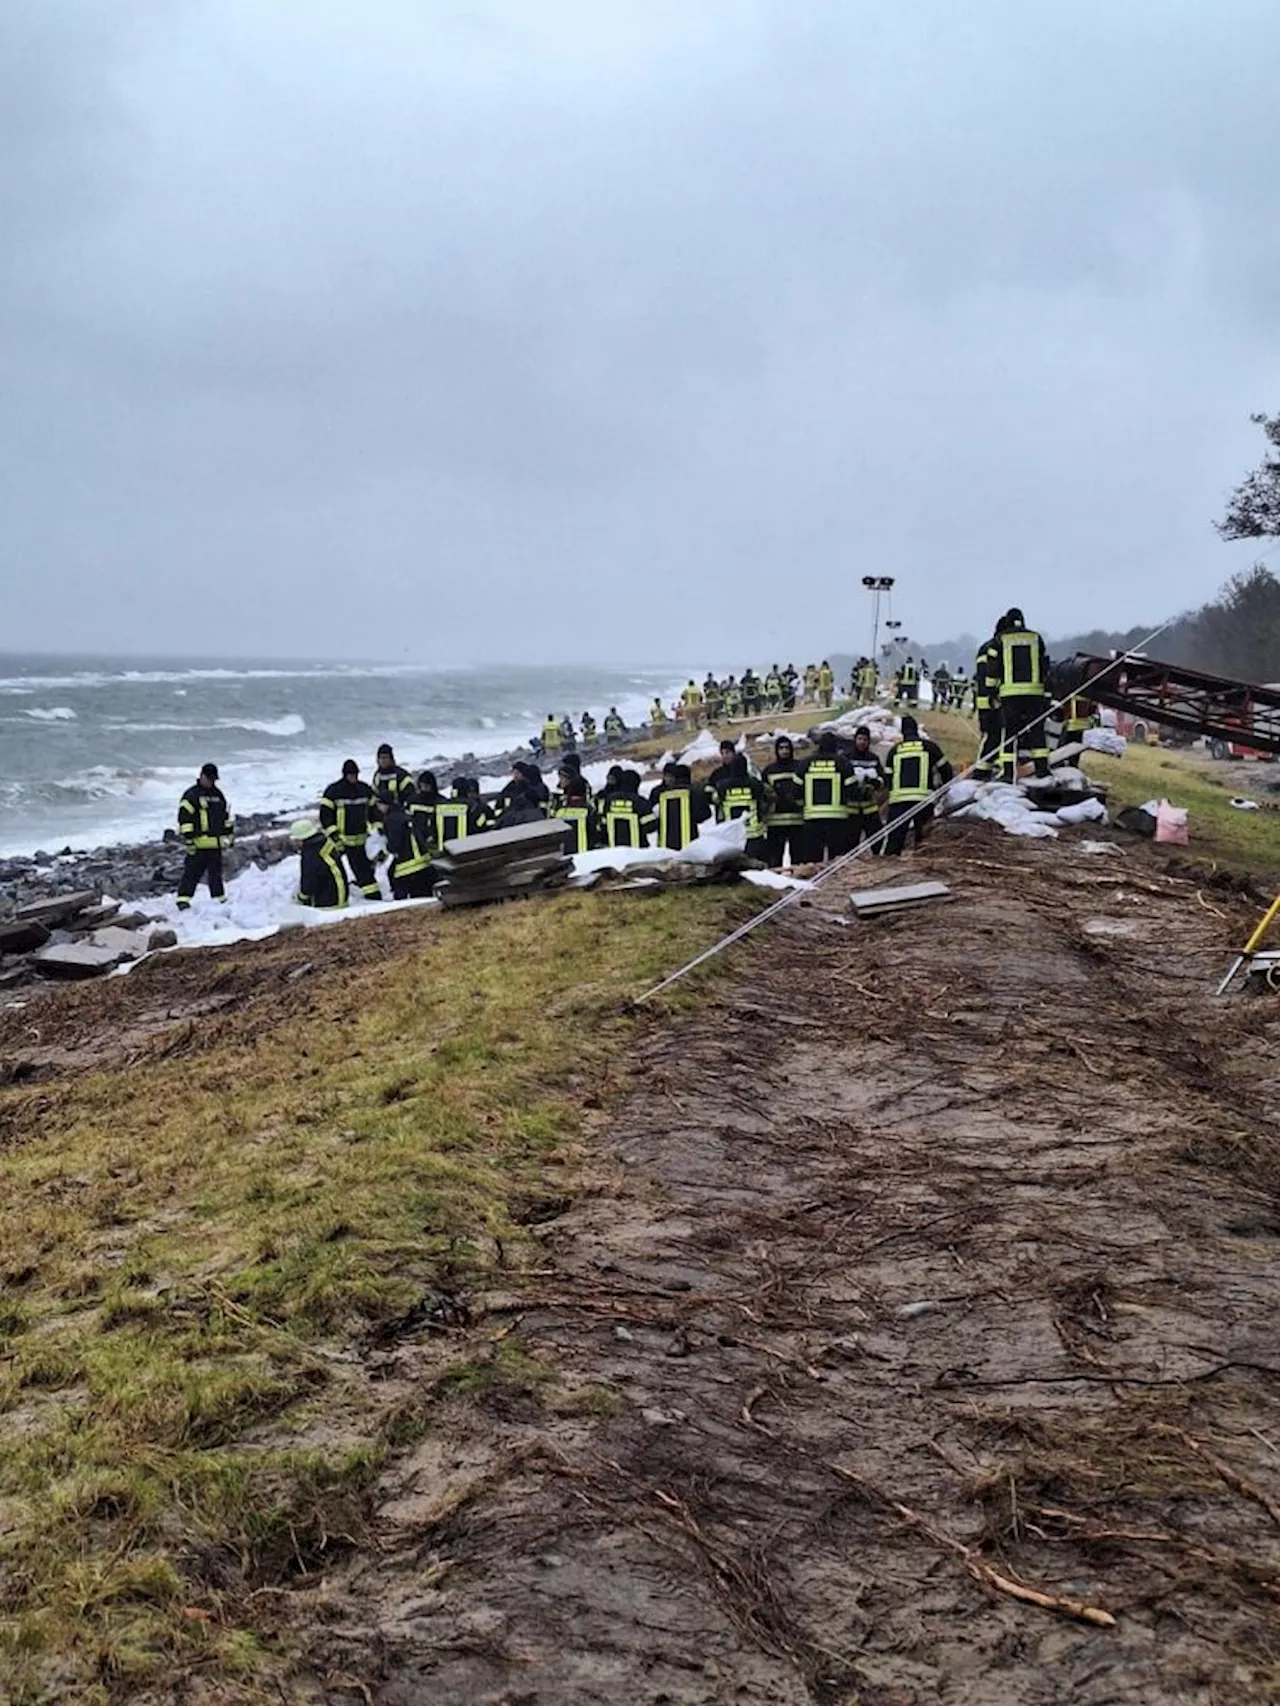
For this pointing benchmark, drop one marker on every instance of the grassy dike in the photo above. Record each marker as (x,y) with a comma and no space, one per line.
(200,1249)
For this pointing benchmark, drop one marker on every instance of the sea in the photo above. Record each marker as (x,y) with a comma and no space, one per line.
(95,751)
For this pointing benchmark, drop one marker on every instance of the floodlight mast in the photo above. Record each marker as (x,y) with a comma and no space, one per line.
(878,586)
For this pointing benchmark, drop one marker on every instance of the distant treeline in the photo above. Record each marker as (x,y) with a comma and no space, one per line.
(1237,633)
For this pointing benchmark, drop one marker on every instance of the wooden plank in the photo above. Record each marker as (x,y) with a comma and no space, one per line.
(865,902)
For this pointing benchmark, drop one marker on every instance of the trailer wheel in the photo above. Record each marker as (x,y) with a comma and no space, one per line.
(1219,749)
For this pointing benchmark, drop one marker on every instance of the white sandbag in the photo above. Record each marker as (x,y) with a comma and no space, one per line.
(1105,740)
(704,745)
(1087,811)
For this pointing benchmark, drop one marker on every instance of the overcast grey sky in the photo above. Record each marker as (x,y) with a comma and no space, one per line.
(542,329)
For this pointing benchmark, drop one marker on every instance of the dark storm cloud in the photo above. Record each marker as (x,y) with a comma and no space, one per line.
(601,327)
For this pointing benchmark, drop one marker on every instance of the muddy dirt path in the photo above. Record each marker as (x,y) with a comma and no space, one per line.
(935,1261)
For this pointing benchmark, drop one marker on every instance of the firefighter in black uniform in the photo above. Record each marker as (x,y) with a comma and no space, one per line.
(784,810)
(422,808)
(986,704)
(916,768)
(410,875)
(515,806)
(744,795)
(462,814)
(1020,674)
(724,769)
(624,816)
(567,776)
(573,807)
(826,806)
(390,779)
(322,882)
(866,785)
(207,828)
(909,682)
(680,806)
(344,817)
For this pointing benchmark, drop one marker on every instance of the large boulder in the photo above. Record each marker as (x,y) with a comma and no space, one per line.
(124,944)
(22,936)
(57,908)
(94,917)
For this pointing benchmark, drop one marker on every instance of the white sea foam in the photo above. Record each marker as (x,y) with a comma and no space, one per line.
(300,672)
(273,764)
(53,714)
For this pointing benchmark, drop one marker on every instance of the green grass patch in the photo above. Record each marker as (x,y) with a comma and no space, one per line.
(196,1246)
(1219,832)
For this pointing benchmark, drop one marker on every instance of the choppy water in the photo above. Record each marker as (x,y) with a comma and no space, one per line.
(96,750)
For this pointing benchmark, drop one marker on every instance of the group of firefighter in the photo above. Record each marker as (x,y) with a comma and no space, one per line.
(797,810)
(715,701)
(751,695)
(801,810)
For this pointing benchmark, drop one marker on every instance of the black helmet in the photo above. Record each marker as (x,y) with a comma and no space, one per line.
(1015,618)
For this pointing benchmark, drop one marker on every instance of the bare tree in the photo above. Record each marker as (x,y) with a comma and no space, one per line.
(1253,511)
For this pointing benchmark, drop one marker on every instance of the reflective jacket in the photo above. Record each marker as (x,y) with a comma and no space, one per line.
(909,675)
(409,855)
(624,819)
(321,878)
(909,772)
(579,826)
(422,820)
(204,820)
(1021,665)
(344,811)
(679,811)
(784,780)
(916,768)
(824,788)
(1078,714)
(551,735)
(743,798)
(614,728)
(458,818)
(388,785)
